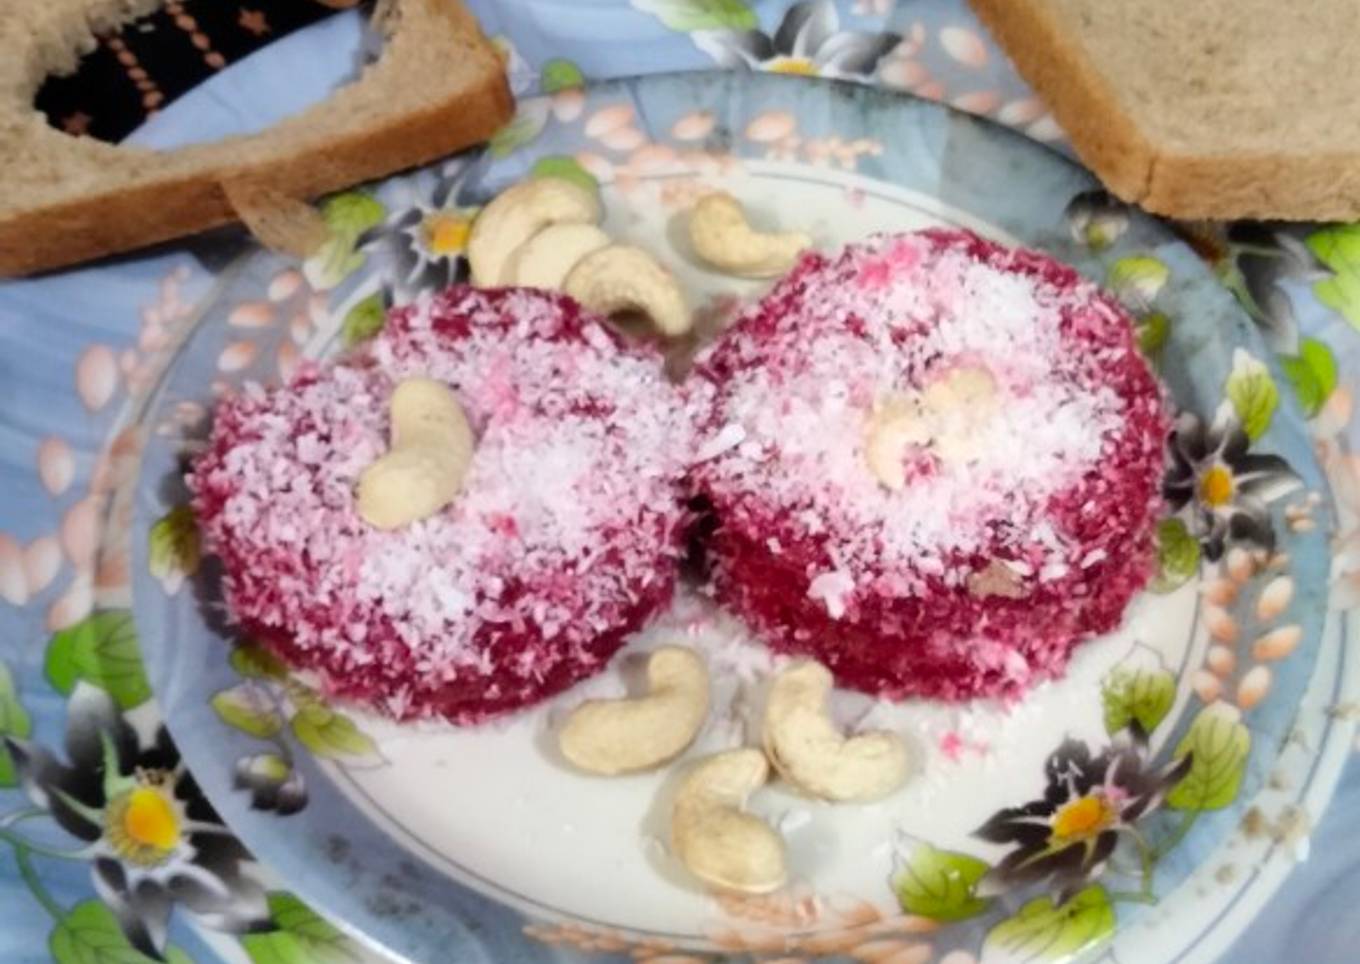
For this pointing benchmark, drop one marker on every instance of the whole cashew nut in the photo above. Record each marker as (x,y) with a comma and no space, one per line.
(620,277)
(623,736)
(545,259)
(894,428)
(517,214)
(723,237)
(944,418)
(716,840)
(430,453)
(808,751)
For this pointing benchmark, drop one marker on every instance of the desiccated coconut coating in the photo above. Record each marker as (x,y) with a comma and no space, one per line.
(983,571)
(562,541)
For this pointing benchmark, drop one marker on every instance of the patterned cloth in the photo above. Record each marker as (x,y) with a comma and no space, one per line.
(67,890)
(134,73)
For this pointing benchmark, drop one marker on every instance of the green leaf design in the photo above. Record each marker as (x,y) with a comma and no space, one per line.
(303,937)
(1312,373)
(14,721)
(59,666)
(90,934)
(1177,556)
(1144,695)
(1040,931)
(1138,279)
(249,709)
(1252,392)
(363,321)
(100,649)
(330,734)
(565,167)
(253,661)
(1338,247)
(531,116)
(939,884)
(347,216)
(1220,744)
(352,213)
(688,15)
(173,548)
(1152,331)
(560,74)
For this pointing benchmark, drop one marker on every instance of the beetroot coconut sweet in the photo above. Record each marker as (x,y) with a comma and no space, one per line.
(562,540)
(932,463)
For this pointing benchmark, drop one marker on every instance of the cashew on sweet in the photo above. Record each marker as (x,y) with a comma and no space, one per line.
(723,237)
(945,417)
(610,737)
(808,751)
(517,214)
(431,450)
(714,838)
(545,260)
(620,277)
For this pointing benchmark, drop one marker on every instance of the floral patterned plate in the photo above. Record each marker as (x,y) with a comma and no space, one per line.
(1038,831)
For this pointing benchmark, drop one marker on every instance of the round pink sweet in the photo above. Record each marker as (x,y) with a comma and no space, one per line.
(901,592)
(562,541)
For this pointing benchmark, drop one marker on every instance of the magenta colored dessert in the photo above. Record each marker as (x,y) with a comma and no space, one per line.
(1014,515)
(562,541)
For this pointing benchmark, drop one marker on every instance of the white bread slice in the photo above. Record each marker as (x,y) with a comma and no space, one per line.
(1201,108)
(437,87)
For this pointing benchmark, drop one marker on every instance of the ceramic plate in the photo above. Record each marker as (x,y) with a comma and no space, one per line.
(446,844)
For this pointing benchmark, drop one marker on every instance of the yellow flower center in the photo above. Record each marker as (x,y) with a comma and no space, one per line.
(1216,487)
(446,234)
(1083,818)
(792,65)
(150,820)
(143,824)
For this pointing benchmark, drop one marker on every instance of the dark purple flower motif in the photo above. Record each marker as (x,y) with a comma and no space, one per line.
(1224,486)
(153,840)
(808,42)
(421,247)
(1262,259)
(1066,838)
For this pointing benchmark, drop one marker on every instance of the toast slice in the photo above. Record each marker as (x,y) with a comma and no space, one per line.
(1199,109)
(437,87)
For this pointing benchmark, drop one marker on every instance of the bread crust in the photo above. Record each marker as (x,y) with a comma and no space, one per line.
(114,217)
(1086,105)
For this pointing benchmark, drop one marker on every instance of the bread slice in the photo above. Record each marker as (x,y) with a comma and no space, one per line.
(1201,108)
(438,86)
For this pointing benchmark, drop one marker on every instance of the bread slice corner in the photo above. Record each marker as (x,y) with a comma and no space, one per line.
(438,86)
(1200,109)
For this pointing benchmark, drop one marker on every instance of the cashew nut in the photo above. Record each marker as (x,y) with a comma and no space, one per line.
(545,259)
(895,426)
(620,277)
(517,214)
(715,839)
(723,237)
(622,736)
(808,751)
(944,418)
(430,454)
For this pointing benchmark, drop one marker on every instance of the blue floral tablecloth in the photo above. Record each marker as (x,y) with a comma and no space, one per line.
(71,889)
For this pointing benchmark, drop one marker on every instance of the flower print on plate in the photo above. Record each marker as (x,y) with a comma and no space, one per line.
(1065,839)
(808,41)
(1224,487)
(154,842)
